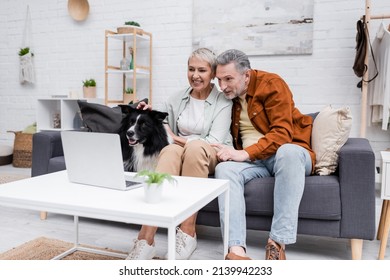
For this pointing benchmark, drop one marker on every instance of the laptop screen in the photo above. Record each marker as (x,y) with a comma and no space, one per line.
(94,159)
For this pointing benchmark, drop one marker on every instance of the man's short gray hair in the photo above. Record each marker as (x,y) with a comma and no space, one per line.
(239,58)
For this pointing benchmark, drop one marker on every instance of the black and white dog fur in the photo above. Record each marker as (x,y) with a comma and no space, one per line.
(142,136)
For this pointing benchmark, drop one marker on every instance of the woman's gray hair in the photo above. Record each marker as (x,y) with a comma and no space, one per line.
(206,55)
(239,58)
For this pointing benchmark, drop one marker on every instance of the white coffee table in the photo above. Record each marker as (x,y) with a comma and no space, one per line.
(54,193)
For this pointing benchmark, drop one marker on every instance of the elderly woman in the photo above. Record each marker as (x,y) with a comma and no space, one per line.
(197,117)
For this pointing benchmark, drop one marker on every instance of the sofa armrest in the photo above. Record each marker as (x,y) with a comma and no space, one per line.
(357,189)
(46,145)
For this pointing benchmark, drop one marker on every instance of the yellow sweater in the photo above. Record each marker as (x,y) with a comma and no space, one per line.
(249,134)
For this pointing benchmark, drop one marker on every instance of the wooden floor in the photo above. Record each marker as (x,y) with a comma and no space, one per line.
(18,226)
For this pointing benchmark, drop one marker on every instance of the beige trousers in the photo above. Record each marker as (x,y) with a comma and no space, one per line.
(196,159)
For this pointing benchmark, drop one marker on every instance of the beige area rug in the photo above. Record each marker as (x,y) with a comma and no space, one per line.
(44,248)
(6,178)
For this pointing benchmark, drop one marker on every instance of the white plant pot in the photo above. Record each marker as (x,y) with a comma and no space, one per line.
(153,193)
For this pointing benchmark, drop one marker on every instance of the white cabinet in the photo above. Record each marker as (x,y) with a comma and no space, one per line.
(59,113)
(385,189)
(384,222)
(139,78)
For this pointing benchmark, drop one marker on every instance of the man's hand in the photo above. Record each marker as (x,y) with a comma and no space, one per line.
(226,153)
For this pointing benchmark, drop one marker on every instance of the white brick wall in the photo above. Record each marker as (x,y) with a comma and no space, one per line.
(66,52)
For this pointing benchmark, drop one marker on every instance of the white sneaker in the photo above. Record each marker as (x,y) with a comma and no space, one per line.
(185,245)
(141,250)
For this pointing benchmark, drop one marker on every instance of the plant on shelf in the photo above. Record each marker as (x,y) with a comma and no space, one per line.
(133,23)
(89,83)
(130,27)
(128,95)
(89,88)
(129,90)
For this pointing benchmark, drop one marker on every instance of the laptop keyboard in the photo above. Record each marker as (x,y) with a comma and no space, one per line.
(132,184)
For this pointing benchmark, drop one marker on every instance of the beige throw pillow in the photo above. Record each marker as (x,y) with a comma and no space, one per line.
(331,130)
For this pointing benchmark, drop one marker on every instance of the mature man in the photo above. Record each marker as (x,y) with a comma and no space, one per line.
(271,138)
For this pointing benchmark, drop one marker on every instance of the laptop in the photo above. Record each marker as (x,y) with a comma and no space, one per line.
(95,159)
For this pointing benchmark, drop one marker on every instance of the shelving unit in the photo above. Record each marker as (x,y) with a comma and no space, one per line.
(141,42)
(65,109)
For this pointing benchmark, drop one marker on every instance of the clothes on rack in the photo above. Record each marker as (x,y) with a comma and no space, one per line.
(379,89)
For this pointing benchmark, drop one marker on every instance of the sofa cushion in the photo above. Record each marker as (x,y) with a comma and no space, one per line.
(331,130)
(100,118)
(56,164)
(321,198)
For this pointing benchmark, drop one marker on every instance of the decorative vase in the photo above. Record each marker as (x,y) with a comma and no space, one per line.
(153,193)
(125,64)
(131,65)
(89,92)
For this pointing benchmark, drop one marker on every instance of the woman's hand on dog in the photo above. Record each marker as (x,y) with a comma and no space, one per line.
(144,106)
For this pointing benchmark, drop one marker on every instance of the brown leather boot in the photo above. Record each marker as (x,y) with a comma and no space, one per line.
(274,251)
(232,256)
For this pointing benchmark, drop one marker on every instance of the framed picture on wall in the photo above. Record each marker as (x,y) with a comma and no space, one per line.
(260,27)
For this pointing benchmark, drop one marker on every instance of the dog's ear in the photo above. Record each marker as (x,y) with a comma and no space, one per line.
(126,109)
(159,116)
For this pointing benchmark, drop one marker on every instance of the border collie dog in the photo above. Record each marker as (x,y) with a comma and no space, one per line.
(142,136)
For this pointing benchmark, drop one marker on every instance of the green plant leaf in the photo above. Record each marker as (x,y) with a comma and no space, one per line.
(129,90)
(24,51)
(153,177)
(134,23)
(89,83)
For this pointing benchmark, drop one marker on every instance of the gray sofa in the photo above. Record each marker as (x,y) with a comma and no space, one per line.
(341,205)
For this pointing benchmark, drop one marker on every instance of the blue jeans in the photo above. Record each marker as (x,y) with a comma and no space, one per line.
(289,166)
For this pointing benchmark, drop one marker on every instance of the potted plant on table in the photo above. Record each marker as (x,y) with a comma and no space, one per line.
(130,27)
(89,88)
(153,184)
